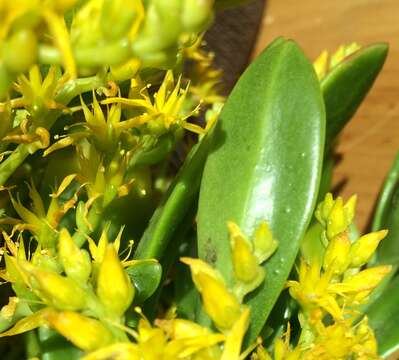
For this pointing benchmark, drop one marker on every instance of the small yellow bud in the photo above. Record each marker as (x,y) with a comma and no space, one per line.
(336,222)
(244,262)
(336,255)
(114,288)
(85,333)
(350,209)
(363,282)
(324,208)
(264,243)
(76,262)
(181,328)
(321,65)
(219,303)
(364,248)
(59,291)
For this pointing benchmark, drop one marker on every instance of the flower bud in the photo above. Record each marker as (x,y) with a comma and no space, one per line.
(336,222)
(362,282)
(76,262)
(220,304)
(245,264)
(196,14)
(264,243)
(59,291)
(117,18)
(20,51)
(350,208)
(324,208)
(114,288)
(364,248)
(85,333)
(336,255)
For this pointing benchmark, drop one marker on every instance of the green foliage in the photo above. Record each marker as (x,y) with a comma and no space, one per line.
(262,166)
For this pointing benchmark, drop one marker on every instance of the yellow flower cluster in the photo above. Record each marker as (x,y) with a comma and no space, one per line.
(330,288)
(84,297)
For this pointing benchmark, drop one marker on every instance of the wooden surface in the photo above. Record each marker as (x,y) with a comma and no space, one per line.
(369,143)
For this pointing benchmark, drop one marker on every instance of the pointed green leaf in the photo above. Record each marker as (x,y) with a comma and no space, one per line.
(345,87)
(177,201)
(146,277)
(264,164)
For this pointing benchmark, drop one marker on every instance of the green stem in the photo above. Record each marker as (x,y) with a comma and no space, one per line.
(100,55)
(9,165)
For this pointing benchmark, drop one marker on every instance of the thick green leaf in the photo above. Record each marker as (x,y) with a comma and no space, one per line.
(347,84)
(146,277)
(264,164)
(385,197)
(387,217)
(384,319)
(177,201)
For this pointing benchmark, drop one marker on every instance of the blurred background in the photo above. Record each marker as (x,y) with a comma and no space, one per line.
(370,142)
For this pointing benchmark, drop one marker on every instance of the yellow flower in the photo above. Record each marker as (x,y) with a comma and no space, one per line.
(358,286)
(312,289)
(76,262)
(114,287)
(56,290)
(245,264)
(86,333)
(364,248)
(164,112)
(232,346)
(336,256)
(219,303)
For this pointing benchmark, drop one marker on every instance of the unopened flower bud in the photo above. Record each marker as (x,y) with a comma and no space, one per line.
(20,51)
(364,248)
(337,221)
(196,14)
(114,288)
(76,262)
(264,243)
(324,208)
(364,281)
(336,255)
(219,303)
(245,264)
(59,291)
(350,208)
(85,333)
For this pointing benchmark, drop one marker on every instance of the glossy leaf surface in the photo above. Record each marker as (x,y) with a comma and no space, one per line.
(176,203)
(146,277)
(264,164)
(345,87)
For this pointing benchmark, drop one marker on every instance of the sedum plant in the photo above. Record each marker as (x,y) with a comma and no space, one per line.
(145,216)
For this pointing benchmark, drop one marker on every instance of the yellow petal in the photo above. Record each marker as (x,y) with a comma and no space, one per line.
(28,323)
(114,287)
(86,333)
(232,346)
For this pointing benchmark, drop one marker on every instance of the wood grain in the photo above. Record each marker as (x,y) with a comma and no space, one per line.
(369,143)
